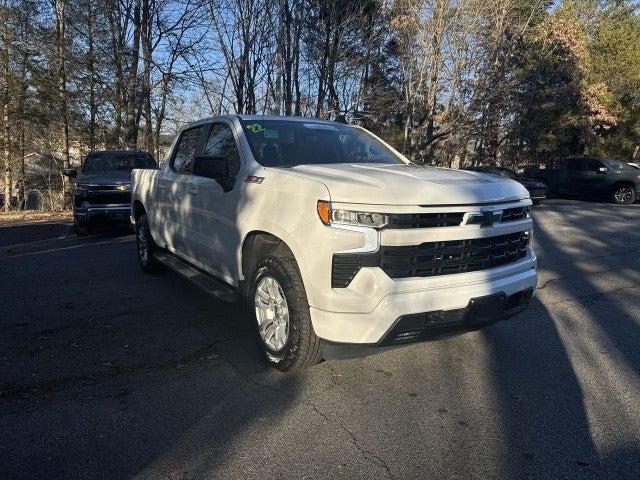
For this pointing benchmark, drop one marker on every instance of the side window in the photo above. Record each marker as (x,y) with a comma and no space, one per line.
(186,150)
(576,165)
(221,143)
(594,165)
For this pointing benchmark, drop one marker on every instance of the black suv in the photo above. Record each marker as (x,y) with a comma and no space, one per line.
(537,189)
(102,190)
(593,176)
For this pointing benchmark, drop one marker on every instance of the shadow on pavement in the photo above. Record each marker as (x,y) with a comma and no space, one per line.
(106,372)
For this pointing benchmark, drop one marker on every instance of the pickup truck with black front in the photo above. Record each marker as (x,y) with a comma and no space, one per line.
(594,177)
(102,187)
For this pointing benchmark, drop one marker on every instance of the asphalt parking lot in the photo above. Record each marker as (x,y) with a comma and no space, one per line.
(106,372)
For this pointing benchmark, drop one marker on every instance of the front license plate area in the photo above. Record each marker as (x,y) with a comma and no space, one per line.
(485,309)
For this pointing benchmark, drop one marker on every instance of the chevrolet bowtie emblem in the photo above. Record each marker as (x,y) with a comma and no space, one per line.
(485,219)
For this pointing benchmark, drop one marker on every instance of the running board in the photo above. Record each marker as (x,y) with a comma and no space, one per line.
(205,281)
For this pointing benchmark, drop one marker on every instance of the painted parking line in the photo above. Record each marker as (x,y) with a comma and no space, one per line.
(4,255)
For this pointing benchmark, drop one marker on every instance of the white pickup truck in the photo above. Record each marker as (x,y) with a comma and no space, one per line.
(339,244)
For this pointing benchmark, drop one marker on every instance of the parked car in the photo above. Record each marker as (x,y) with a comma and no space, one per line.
(102,188)
(593,176)
(537,189)
(339,245)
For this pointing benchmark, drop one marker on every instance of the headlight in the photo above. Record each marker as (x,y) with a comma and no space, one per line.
(80,190)
(330,216)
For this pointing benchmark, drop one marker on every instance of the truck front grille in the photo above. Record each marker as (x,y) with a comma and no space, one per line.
(104,198)
(425,220)
(513,214)
(433,258)
(447,219)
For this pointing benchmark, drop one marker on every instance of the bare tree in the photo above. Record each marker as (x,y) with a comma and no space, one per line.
(60,18)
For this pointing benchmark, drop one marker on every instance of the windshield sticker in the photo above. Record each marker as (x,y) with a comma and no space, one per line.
(321,126)
(255,127)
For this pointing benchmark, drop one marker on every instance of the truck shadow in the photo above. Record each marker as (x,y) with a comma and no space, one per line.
(551,404)
(110,373)
(32,232)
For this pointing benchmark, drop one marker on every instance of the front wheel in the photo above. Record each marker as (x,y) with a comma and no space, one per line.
(281,312)
(624,194)
(146,247)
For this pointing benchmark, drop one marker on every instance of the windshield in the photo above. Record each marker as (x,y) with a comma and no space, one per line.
(109,162)
(615,165)
(282,143)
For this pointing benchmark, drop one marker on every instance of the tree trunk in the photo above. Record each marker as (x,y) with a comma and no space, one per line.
(6,134)
(62,93)
(131,121)
(146,29)
(323,70)
(296,67)
(93,108)
(117,44)
(22,200)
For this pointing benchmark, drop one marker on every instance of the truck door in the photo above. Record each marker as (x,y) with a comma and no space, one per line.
(215,204)
(174,206)
(572,176)
(594,178)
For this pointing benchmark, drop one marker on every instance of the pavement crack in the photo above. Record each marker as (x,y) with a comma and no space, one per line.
(40,389)
(564,277)
(366,453)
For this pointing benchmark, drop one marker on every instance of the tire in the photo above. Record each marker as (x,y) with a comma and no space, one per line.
(145,246)
(81,230)
(301,347)
(624,194)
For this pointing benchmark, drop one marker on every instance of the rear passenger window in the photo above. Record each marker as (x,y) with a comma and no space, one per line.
(221,143)
(186,150)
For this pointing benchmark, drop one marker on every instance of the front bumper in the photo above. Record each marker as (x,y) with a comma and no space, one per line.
(479,312)
(448,302)
(113,213)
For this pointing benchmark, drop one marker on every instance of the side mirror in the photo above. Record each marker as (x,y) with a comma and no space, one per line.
(70,172)
(603,170)
(211,167)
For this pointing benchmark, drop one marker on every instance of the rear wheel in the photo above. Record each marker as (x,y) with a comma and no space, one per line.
(146,247)
(281,313)
(81,230)
(624,194)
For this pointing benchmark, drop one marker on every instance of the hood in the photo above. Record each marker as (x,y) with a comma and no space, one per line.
(114,177)
(377,184)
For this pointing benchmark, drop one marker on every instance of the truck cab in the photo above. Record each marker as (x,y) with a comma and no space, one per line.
(339,245)
(594,176)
